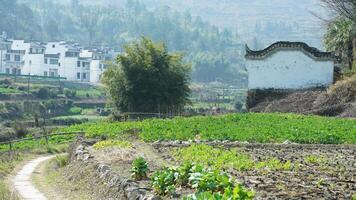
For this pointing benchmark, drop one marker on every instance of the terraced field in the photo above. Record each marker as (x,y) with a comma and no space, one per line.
(268,171)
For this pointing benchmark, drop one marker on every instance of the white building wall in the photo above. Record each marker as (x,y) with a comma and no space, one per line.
(33,64)
(68,68)
(289,69)
(95,71)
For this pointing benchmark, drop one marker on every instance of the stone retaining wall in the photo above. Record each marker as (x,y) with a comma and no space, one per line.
(126,188)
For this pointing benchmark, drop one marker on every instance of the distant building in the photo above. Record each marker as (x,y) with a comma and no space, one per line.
(53,59)
(289,65)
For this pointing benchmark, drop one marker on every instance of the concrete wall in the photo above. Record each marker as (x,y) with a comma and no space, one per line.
(289,69)
(95,71)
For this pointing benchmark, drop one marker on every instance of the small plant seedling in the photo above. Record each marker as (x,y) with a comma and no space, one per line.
(139,169)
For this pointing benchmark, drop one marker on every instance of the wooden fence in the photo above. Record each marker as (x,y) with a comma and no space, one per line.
(47,137)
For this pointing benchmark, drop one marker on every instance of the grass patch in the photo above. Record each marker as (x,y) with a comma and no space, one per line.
(56,144)
(7,165)
(92,92)
(112,143)
(9,91)
(251,127)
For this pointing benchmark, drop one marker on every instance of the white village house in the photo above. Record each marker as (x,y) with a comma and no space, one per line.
(289,65)
(53,59)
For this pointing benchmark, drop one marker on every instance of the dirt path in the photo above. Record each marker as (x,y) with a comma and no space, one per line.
(22,181)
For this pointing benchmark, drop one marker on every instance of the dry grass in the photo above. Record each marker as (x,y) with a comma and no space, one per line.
(344,90)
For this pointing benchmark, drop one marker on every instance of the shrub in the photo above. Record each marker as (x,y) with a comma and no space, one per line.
(139,169)
(20,130)
(22,88)
(238,105)
(70,93)
(62,160)
(5,82)
(45,93)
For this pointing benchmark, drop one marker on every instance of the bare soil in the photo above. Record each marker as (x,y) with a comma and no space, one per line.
(331,176)
(338,100)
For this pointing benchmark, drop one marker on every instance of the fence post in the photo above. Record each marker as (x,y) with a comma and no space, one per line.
(46,136)
(10,146)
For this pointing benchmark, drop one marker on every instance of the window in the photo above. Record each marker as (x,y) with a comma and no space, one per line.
(7,71)
(31,50)
(53,46)
(85,64)
(46,60)
(17,57)
(13,71)
(45,74)
(72,54)
(59,64)
(53,61)
(52,74)
(19,71)
(7,56)
(78,63)
(84,76)
(78,75)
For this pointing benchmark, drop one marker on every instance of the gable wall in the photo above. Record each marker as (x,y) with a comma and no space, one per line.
(289,69)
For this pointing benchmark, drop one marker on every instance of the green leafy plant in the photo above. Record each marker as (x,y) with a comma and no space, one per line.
(163,181)
(313,159)
(184,172)
(251,127)
(236,193)
(139,169)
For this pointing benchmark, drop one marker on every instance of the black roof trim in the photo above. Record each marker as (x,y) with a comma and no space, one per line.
(285,45)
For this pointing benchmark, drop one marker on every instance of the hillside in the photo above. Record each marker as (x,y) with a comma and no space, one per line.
(267,21)
(214,54)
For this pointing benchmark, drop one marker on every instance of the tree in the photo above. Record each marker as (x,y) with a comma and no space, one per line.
(339,37)
(89,20)
(345,8)
(147,78)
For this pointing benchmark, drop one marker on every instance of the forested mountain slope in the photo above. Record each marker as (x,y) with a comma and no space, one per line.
(258,22)
(215,55)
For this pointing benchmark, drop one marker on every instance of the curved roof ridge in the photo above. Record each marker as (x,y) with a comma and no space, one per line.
(285,45)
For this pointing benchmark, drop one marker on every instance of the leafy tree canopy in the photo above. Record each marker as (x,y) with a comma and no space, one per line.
(147,78)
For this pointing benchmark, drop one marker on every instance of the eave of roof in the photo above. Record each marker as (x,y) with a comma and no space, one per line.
(283,45)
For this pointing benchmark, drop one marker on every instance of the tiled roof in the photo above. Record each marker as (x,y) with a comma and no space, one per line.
(280,46)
